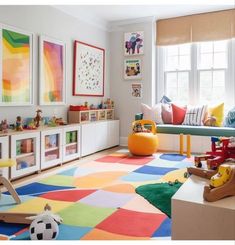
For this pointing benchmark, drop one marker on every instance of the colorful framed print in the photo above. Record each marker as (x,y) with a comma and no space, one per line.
(52,72)
(134,43)
(136,90)
(89,62)
(132,69)
(16,79)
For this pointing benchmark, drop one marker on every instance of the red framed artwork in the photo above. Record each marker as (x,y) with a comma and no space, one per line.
(88,70)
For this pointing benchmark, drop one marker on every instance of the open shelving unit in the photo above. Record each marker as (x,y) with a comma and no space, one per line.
(25,148)
(51,147)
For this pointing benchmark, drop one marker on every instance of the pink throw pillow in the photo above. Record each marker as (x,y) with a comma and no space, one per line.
(167,113)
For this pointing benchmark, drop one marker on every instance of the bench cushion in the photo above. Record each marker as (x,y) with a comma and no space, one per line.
(195,130)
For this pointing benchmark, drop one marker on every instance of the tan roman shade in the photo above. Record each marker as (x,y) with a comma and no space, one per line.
(174,31)
(196,28)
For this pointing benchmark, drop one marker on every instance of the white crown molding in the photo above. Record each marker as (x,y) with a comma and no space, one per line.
(90,20)
(119,25)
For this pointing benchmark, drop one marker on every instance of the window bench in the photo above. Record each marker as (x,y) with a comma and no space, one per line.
(168,135)
(195,130)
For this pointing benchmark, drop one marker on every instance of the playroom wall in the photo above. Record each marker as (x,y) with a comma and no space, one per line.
(49,21)
(120,90)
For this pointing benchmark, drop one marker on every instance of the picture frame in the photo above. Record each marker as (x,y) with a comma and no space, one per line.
(52,71)
(16,66)
(132,69)
(137,90)
(134,43)
(89,70)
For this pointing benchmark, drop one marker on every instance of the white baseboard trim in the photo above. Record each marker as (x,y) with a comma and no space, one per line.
(123,141)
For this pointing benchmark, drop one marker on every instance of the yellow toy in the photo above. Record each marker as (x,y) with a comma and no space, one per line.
(222,176)
(143,143)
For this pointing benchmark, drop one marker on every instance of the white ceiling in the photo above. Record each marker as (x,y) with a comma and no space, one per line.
(106,16)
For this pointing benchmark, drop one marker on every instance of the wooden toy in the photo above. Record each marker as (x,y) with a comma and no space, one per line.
(38,118)
(221,150)
(221,183)
(19,124)
(227,189)
(222,176)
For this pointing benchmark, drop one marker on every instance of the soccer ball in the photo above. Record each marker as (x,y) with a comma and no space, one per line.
(43,228)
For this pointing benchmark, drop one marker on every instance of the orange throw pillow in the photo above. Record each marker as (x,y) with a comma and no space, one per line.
(178,114)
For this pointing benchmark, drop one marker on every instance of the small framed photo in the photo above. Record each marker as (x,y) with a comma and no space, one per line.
(136,90)
(132,69)
(134,43)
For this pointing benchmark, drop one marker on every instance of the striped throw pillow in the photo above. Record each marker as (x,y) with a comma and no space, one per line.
(195,116)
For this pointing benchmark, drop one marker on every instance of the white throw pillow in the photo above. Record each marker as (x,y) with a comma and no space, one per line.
(152,113)
(195,115)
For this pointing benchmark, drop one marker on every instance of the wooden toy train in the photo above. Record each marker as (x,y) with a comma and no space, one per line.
(222,148)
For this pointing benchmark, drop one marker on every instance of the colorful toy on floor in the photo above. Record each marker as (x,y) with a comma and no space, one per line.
(221,150)
(45,225)
(222,181)
(143,143)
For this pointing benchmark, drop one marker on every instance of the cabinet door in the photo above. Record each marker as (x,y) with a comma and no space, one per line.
(113,133)
(71,143)
(101,136)
(25,148)
(51,148)
(4,153)
(88,139)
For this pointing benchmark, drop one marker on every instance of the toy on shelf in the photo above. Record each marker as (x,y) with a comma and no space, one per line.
(109,104)
(45,225)
(4,126)
(19,126)
(222,148)
(38,118)
(222,181)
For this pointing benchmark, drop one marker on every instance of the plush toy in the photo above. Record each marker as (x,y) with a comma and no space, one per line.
(45,225)
(19,126)
(210,121)
(4,126)
(38,118)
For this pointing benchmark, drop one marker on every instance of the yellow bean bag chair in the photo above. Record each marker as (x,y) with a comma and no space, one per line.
(143,143)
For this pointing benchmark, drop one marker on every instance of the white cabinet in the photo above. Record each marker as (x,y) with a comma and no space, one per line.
(4,153)
(25,148)
(51,147)
(98,136)
(71,143)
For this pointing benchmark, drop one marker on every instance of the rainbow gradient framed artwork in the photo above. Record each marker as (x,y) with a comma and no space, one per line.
(52,71)
(16,51)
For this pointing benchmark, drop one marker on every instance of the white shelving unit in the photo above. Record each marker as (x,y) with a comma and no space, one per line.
(97,136)
(51,147)
(25,148)
(4,153)
(71,143)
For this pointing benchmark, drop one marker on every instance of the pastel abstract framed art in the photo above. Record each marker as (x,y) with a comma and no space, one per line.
(89,69)
(16,56)
(52,71)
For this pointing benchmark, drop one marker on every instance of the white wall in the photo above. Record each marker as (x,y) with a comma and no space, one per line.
(125,106)
(52,22)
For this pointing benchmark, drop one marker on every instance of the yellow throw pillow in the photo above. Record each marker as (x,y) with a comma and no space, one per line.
(218,113)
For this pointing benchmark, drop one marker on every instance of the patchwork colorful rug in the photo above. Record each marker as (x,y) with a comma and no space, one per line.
(97,199)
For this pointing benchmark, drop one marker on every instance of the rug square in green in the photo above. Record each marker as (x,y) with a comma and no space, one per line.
(85,215)
(58,180)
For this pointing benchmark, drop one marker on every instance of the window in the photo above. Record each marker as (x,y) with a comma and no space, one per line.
(212,68)
(177,69)
(197,73)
